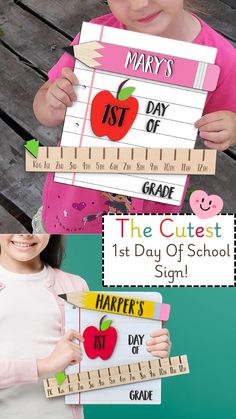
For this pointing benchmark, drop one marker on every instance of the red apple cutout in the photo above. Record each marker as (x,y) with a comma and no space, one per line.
(112,116)
(100,342)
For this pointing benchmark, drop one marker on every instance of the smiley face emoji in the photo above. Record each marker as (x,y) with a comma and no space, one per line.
(204,205)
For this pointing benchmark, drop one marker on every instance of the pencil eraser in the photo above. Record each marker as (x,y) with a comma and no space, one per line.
(165,312)
(211,78)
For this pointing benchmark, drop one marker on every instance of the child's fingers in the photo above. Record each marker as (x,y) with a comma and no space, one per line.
(68,74)
(163,346)
(73,334)
(67,87)
(55,102)
(78,336)
(76,346)
(215,137)
(77,350)
(70,334)
(159,332)
(161,354)
(158,339)
(207,119)
(62,97)
(76,359)
(215,126)
(216,146)
(77,353)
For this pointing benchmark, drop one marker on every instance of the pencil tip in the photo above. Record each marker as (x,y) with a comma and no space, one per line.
(70,50)
(64,296)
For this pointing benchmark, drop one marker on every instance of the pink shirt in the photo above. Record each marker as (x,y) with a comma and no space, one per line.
(15,372)
(75,210)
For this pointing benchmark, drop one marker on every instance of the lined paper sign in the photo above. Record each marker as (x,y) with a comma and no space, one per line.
(132,335)
(170,109)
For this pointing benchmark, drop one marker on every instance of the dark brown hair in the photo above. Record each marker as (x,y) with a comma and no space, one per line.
(54,252)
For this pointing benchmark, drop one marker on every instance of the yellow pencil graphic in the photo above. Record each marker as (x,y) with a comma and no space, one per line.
(118,304)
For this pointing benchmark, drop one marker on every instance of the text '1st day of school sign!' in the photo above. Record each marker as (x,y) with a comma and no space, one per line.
(116,366)
(170,250)
(136,91)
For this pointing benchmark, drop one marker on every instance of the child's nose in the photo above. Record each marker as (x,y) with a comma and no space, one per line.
(138,4)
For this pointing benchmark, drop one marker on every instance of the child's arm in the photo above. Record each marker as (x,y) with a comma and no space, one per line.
(218,129)
(53,98)
(22,371)
(159,345)
(17,371)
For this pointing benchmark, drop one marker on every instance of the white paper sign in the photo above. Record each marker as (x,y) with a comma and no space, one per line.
(131,332)
(176,128)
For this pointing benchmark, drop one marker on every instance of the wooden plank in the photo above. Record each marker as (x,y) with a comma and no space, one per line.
(18,87)
(67,19)
(29,37)
(221,17)
(22,188)
(8,224)
(231,3)
(222,184)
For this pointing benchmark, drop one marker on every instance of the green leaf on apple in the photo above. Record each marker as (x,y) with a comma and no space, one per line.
(126,93)
(105,325)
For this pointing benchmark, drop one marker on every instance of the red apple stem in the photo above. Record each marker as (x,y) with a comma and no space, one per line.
(100,324)
(120,87)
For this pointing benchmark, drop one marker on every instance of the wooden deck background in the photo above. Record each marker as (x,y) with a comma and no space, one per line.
(33,33)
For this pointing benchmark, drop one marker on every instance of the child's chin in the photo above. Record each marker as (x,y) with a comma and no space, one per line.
(149,29)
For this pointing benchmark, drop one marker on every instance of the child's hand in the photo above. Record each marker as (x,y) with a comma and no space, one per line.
(61,93)
(218,129)
(66,352)
(159,344)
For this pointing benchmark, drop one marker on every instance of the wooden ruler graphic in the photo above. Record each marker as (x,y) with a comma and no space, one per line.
(122,160)
(118,375)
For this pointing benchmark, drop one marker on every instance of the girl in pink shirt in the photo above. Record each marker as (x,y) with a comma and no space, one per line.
(32,326)
(72,209)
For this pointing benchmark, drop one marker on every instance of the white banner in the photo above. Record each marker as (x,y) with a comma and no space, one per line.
(168,250)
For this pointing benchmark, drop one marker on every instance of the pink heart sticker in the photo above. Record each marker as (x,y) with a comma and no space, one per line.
(204,205)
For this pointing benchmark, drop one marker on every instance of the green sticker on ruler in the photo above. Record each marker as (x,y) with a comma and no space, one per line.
(60,377)
(33,147)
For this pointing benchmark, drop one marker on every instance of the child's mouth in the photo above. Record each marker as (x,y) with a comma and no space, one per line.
(149,18)
(23,245)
